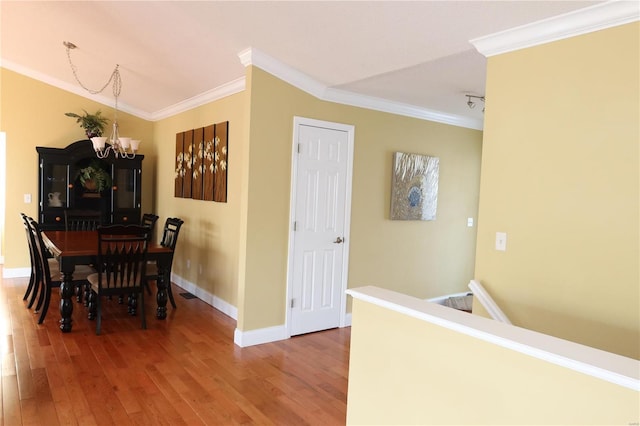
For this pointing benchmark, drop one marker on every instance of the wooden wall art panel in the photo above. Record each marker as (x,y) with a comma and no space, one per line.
(188,163)
(180,169)
(198,164)
(209,141)
(201,163)
(220,162)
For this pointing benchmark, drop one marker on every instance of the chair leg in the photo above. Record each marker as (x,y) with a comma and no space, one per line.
(170,293)
(87,293)
(47,298)
(34,293)
(79,290)
(92,305)
(132,301)
(42,296)
(32,280)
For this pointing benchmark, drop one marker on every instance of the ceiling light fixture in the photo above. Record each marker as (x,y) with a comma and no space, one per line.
(471,104)
(121,146)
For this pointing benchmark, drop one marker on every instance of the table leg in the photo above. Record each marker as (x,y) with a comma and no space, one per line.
(161,297)
(66,305)
(79,292)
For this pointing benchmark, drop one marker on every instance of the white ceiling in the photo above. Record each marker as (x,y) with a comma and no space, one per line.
(414,53)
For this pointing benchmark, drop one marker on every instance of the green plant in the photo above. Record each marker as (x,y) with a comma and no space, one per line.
(94,177)
(93,124)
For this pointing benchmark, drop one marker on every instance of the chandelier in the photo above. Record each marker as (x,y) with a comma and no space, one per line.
(120,146)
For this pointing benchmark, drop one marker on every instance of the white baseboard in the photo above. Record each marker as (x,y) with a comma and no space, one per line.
(16,272)
(260,336)
(221,305)
(240,338)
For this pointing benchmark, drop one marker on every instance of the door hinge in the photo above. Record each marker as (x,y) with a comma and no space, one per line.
(292,302)
(299,148)
(295,225)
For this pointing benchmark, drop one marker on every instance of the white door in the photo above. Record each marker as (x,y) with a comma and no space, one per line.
(321,196)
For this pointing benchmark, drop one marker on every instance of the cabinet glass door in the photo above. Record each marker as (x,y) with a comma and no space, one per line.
(125,194)
(55,185)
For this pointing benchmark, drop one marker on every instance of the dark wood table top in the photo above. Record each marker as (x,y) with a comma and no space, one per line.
(83,243)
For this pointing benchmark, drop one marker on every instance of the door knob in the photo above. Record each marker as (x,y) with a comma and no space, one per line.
(338,240)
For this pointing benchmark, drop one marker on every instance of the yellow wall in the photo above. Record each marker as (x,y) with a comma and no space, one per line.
(560,175)
(423,259)
(33,115)
(403,370)
(238,250)
(210,236)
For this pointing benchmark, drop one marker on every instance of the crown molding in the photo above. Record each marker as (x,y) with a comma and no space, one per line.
(214,94)
(383,105)
(227,89)
(255,57)
(582,21)
(77,90)
(274,67)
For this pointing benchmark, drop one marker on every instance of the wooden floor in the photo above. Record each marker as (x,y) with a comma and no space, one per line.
(181,371)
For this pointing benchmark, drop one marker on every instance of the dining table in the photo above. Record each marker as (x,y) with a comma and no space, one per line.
(73,248)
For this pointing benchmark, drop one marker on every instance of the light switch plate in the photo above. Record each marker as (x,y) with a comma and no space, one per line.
(27,198)
(501,241)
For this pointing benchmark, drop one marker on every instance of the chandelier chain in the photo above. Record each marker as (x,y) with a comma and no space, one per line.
(119,145)
(115,78)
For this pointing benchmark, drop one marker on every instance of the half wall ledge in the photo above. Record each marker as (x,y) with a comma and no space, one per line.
(594,362)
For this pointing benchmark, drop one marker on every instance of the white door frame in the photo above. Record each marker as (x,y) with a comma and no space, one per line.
(350,129)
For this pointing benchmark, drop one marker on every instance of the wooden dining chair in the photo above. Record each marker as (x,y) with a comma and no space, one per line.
(82,220)
(48,272)
(169,239)
(122,256)
(34,279)
(149,219)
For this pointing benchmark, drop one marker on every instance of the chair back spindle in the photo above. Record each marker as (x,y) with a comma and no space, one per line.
(82,220)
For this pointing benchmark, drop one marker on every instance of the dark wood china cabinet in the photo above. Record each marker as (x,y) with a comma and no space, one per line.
(60,187)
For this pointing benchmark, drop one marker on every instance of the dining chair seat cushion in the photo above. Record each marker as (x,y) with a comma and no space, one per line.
(94,280)
(54,267)
(80,273)
(152,269)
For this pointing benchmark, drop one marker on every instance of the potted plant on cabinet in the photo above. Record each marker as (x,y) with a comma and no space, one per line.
(94,178)
(93,124)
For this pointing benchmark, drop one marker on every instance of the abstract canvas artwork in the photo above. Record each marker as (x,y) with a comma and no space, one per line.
(414,187)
